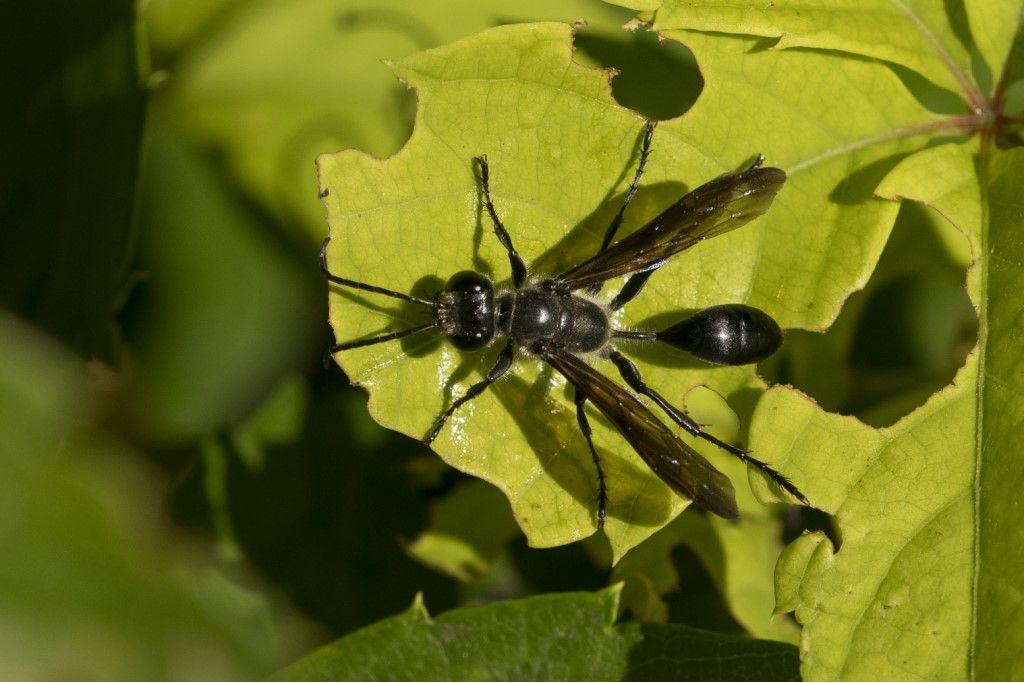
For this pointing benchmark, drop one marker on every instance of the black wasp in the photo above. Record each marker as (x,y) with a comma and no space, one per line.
(557,320)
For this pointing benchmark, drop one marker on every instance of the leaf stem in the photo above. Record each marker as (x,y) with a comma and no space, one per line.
(982,264)
(975,99)
(957,123)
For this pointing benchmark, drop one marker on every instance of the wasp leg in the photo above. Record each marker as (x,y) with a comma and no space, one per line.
(602,488)
(637,281)
(501,366)
(515,260)
(379,339)
(631,374)
(629,290)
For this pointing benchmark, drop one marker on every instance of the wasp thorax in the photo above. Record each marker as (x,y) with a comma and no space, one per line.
(465,310)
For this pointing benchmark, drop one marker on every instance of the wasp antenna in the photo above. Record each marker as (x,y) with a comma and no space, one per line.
(345,282)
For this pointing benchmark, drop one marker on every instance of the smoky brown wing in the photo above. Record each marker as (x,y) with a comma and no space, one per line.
(678,465)
(716,207)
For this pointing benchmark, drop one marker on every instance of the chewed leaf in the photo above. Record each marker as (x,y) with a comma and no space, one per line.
(926,509)
(558,146)
(902,498)
(561,154)
(904,33)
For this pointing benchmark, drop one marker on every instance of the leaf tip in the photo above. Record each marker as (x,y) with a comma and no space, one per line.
(610,598)
(418,609)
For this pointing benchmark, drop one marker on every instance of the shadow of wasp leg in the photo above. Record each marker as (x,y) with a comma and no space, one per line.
(602,489)
(501,366)
(631,374)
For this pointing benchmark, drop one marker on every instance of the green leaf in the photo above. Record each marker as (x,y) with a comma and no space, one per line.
(825,231)
(515,94)
(738,557)
(568,636)
(557,143)
(554,637)
(919,35)
(92,586)
(468,529)
(993,34)
(896,597)
(863,365)
(933,39)
(670,652)
(279,421)
(998,538)
(922,582)
(910,593)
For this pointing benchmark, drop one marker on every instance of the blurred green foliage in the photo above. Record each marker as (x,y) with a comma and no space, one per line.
(188,491)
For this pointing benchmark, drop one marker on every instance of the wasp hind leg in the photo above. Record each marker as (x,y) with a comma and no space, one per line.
(631,374)
(602,487)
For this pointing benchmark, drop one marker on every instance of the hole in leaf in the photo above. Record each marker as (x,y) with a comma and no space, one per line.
(697,602)
(798,520)
(899,340)
(565,568)
(658,79)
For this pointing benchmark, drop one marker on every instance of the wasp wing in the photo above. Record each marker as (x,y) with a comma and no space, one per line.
(724,204)
(678,465)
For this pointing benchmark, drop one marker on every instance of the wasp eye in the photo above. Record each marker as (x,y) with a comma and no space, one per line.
(469,282)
